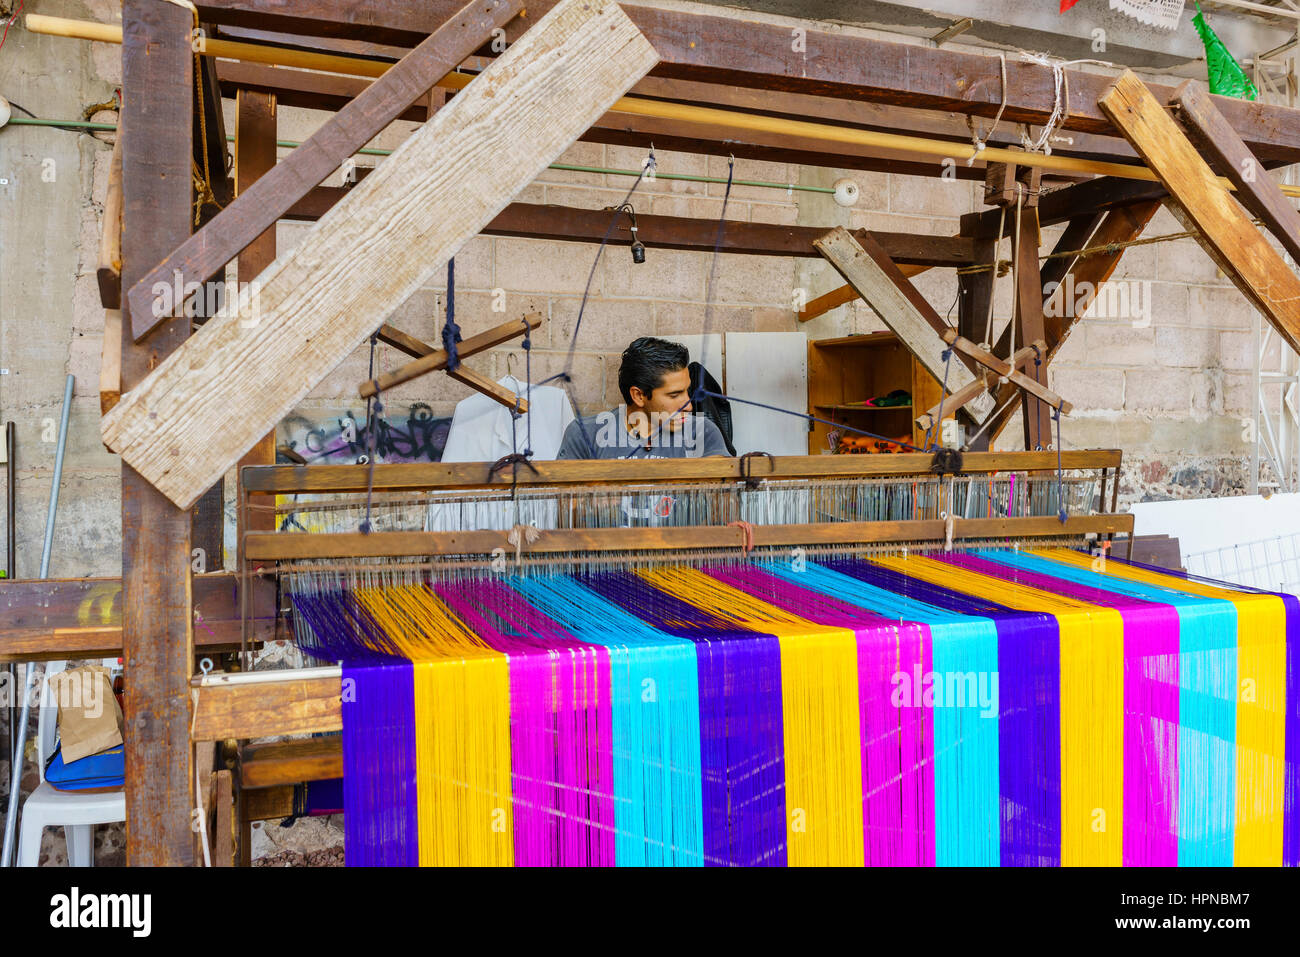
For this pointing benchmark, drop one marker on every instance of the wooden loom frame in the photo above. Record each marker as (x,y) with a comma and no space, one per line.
(705,58)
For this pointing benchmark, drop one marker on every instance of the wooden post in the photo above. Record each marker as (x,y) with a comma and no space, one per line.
(255,155)
(1036,416)
(157,84)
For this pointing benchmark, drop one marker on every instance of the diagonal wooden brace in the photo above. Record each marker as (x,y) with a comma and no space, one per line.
(206,252)
(1007,371)
(481,383)
(964,395)
(437,359)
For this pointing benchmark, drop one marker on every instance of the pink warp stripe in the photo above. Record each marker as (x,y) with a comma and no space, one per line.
(897,742)
(561,738)
(1151,710)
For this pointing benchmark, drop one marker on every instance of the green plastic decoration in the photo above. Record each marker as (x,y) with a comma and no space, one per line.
(1227,78)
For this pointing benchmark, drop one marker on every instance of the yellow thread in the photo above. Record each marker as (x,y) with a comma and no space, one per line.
(820,710)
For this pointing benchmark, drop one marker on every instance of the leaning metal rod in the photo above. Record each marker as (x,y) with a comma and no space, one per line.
(33,669)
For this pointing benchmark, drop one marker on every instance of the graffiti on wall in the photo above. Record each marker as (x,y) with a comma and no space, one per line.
(413,434)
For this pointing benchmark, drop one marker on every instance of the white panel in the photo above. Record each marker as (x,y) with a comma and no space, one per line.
(772,368)
(709,347)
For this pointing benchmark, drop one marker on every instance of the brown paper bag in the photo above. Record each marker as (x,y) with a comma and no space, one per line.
(90,719)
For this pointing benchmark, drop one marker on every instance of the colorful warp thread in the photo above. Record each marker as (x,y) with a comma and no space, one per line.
(1014,708)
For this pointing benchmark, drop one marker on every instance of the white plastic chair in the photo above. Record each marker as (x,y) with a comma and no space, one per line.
(75,812)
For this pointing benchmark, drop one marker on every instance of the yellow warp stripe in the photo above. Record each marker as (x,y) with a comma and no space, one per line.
(462,729)
(1261,706)
(820,713)
(1092,705)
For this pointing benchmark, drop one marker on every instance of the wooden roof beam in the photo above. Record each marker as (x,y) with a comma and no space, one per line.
(759,55)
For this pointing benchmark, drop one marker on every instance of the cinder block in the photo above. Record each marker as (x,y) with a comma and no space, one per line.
(666,274)
(608,325)
(1087,388)
(1237,351)
(765,280)
(1119,344)
(929,197)
(691,318)
(1183,260)
(1157,390)
(530,265)
(749,169)
(1194,348)
(1220,308)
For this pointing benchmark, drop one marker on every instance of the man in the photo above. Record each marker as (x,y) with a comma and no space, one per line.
(656,421)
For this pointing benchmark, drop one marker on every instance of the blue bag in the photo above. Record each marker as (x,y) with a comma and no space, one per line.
(105,771)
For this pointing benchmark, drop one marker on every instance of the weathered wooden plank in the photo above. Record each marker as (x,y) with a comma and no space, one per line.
(845,293)
(110,361)
(1223,229)
(758,55)
(246,370)
(436,359)
(264,201)
(869,270)
(273,546)
(571,224)
(1256,190)
(223,820)
(296,479)
(230,706)
(399,340)
(158,642)
(290,762)
(482,384)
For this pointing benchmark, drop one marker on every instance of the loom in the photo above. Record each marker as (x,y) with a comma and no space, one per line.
(805,661)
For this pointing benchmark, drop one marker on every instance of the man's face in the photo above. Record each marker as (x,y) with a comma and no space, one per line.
(669,403)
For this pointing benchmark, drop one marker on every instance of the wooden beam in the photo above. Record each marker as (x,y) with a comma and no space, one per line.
(747,53)
(1256,190)
(256,128)
(1120,225)
(290,762)
(109,273)
(389,335)
(572,224)
(158,642)
(244,706)
(275,546)
(110,361)
(956,400)
(259,206)
(485,386)
(845,293)
(246,369)
(1037,418)
(878,281)
(1223,229)
(337,479)
(1004,368)
(436,360)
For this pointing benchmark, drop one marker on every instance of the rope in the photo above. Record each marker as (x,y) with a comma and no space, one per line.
(748,529)
(451,331)
(1004,265)
(366,526)
(980,140)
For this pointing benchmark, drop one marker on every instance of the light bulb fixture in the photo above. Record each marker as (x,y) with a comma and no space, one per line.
(638,248)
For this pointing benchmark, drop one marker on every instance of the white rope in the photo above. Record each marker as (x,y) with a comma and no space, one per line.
(980,140)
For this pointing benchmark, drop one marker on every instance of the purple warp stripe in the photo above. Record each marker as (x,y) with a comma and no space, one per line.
(1291,786)
(1151,691)
(380,822)
(897,743)
(561,727)
(742,745)
(1029,705)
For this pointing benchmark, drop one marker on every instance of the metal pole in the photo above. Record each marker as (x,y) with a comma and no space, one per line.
(33,669)
(10,568)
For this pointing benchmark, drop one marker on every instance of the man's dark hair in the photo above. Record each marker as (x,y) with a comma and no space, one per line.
(644,363)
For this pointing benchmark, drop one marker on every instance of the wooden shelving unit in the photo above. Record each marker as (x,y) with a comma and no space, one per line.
(853,368)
